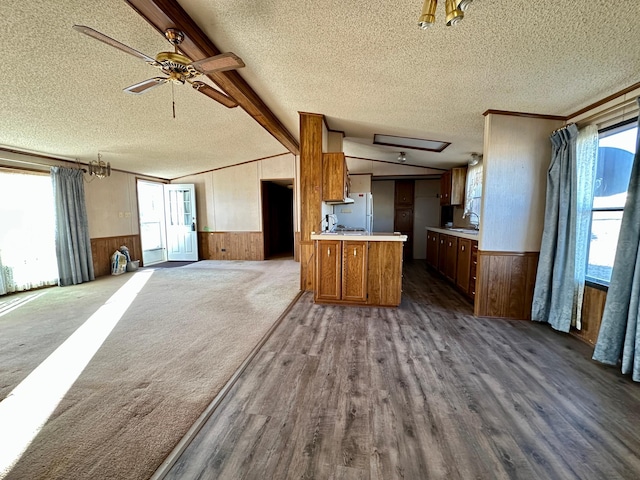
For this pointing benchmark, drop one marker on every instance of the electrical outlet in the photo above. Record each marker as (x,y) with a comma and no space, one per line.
(223,249)
(120,214)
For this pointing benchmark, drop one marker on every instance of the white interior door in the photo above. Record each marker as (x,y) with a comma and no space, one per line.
(180,211)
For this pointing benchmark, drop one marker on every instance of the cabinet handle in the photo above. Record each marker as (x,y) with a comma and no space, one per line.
(355,252)
(449,243)
(463,248)
(328,251)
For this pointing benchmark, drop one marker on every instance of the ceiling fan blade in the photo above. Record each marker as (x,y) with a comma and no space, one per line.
(214,94)
(218,63)
(147,85)
(114,43)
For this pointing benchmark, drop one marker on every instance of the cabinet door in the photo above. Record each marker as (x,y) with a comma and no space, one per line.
(445,188)
(354,271)
(328,262)
(464,264)
(433,241)
(473,269)
(442,252)
(334,177)
(404,192)
(451,257)
(458,180)
(385,273)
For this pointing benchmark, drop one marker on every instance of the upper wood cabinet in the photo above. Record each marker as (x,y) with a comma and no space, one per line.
(404,192)
(452,186)
(335,177)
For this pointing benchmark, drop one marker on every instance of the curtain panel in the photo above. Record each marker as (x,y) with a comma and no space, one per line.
(619,336)
(73,245)
(559,286)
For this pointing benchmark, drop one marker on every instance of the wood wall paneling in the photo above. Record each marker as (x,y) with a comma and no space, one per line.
(310,191)
(592,310)
(103,248)
(230,245)
(505,282)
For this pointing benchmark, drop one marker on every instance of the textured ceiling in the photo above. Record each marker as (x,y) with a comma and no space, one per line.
(364,65)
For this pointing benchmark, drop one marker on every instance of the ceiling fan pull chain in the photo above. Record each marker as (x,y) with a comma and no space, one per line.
(173,101)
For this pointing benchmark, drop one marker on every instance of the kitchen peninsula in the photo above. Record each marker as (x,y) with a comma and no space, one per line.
(358,269)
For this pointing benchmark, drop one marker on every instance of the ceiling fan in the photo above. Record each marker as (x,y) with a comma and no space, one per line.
(179,68)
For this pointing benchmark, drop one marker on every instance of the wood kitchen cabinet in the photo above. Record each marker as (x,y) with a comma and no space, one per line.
(433,241)
(473,270)
(451,257)
(341,272)
(358,272)
(463,270)
(404,193)
(452,186)
(354,271)
(328,270)
(335,177)
(455,258)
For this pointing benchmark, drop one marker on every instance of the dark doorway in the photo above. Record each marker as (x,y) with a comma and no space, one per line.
(277,218)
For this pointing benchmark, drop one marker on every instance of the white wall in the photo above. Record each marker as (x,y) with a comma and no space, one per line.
(229,199)
(517,154)
(112,205)
(383,199)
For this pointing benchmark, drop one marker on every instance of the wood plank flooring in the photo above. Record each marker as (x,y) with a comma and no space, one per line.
(424,391)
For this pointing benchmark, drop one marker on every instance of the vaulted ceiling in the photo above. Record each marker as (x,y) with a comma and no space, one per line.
(365,65)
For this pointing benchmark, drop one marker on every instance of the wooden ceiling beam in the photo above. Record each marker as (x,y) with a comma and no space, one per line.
(163,14)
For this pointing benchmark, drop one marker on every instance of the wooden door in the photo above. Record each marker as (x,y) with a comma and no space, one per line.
(354,271)
(464,264)
(328,261)
(404,192)
(473,269)
(445,188)
(384,273)
(433,241)
(442,252)
(451,247)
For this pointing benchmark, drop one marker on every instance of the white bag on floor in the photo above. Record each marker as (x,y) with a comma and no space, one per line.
(118,263)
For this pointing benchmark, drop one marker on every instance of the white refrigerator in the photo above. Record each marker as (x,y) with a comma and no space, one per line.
(357,215)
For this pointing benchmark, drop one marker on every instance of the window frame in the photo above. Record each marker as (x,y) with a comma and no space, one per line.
(593,282)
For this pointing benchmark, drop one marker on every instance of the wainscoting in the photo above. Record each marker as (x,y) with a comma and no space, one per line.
(504,286)
(103,248)
(230,246)
(592,310)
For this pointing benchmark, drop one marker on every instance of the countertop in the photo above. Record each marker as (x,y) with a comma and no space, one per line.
(370,237)
(458,232)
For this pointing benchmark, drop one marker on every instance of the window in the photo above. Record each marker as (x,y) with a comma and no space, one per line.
(473,193)
(616,150)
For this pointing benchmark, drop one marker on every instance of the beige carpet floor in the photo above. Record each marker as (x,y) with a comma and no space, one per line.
(174,348)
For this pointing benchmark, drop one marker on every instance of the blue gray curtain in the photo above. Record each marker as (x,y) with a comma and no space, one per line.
(559,286)
(619,337)
(553,291)
(73,245)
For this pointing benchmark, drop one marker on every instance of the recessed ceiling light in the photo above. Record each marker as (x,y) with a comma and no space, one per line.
(406,142)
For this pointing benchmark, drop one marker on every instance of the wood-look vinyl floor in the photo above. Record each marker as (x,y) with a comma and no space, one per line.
(425,391)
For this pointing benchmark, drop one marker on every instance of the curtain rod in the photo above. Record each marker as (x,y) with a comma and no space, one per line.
(564,127)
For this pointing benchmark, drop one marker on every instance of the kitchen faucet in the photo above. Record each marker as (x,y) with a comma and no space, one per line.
(476,226)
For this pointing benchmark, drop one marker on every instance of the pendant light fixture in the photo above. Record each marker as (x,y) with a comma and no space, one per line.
(99,168)
(454,11)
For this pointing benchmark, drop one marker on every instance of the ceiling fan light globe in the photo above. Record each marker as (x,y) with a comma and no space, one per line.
(462,5)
